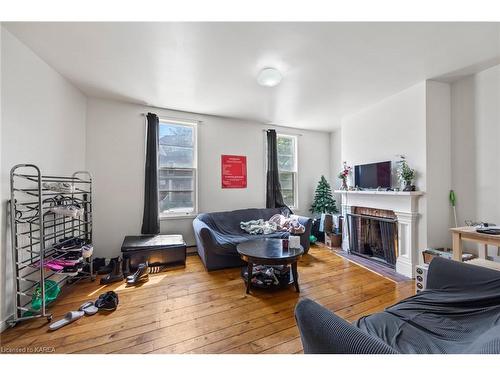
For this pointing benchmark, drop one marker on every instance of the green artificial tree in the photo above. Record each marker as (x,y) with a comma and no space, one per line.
(323,203)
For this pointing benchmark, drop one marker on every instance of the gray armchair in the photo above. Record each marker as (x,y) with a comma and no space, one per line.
(459,312)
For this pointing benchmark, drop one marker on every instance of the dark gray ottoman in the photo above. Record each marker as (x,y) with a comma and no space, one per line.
(159,251)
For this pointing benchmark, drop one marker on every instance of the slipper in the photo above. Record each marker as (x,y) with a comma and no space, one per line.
(88,308)
(49,264)
(70,317)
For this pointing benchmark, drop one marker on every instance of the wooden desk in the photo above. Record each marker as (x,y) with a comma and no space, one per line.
(469,234)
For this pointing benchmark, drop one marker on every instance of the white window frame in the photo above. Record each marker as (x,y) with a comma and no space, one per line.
(181,215)
(295,137)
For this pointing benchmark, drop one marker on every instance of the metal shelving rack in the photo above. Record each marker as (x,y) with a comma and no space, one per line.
(35,231)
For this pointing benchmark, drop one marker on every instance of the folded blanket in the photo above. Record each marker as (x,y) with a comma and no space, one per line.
(277,223)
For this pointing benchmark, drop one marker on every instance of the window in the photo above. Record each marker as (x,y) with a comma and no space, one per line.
(177,169)
(287,167)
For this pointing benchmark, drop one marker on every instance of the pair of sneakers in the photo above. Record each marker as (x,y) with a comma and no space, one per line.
(139,276)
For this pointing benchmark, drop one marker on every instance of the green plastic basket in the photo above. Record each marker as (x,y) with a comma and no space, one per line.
(52,290)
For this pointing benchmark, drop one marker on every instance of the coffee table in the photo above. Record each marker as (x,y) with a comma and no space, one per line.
(269,251)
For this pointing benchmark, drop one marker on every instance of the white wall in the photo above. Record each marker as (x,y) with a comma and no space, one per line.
(475,146)
(438,164)
(392,127)
(336,163)
(43,122)
(115,156)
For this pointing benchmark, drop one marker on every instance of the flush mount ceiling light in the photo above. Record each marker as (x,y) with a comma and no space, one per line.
(269,77)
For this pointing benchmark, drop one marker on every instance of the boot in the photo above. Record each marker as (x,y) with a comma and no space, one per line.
(140,276)
(99,263)
(115,274)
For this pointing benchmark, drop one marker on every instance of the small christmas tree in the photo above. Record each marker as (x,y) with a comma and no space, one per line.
(323,203)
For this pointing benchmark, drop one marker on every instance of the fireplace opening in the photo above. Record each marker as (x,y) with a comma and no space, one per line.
(373,235)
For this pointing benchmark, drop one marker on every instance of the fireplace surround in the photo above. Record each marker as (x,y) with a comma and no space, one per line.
(403,205)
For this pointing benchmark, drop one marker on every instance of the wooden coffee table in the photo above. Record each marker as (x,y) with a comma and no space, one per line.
(270,252)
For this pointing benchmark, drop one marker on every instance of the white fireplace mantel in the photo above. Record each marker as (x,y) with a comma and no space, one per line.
(404,204)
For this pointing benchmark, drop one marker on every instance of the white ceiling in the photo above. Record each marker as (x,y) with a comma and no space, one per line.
(330,69)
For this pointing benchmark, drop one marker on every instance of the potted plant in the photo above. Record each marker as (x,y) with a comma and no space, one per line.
(406,174)
(344,173)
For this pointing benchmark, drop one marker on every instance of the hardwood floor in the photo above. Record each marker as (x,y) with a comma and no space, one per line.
(189,310)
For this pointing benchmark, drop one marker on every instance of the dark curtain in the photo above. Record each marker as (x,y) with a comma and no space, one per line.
(150,218)
(274,198)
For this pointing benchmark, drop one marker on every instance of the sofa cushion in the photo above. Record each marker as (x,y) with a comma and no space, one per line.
(439,321)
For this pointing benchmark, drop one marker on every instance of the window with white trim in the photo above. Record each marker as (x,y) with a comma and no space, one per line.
(177,169)
(287,168)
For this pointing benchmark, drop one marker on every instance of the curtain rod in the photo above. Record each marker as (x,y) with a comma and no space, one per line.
(189,121)
(285,133)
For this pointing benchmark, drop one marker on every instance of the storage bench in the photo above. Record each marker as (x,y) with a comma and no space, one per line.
(158,251)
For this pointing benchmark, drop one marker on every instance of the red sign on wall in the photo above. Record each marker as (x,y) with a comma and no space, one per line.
(234,171)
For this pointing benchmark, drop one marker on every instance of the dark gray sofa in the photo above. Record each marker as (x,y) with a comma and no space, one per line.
(218,233)
(459,312)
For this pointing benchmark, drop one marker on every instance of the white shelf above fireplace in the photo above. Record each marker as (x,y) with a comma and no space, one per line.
(379,192)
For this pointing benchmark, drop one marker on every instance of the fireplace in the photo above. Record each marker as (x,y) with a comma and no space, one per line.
(373,234)
(402,206)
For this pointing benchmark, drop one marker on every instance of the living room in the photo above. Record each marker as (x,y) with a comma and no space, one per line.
(250,187)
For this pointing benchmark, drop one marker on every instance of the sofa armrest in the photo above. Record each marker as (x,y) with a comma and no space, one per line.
(323,332)
(304,237)
(203,230)
(305,221)
(450,274)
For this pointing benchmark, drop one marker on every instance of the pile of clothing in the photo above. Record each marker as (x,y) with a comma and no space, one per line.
(266,276)
(277,223)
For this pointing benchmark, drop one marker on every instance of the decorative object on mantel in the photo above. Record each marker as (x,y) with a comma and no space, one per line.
(406,174)
(346,170)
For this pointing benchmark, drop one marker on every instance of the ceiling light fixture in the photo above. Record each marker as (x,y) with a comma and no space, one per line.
(269,77)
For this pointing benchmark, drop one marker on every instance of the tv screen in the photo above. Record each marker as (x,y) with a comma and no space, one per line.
(372,176)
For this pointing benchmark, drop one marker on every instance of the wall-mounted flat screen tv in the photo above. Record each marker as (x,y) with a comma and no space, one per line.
(372,176)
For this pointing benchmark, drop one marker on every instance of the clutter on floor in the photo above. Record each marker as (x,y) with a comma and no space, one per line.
(70,317)
(115,274)
(106,302)
(140,276)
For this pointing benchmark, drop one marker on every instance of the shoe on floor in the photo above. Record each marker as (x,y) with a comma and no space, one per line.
(116,273)
(140,276)
(88,308)
(107,301)
(105,269)
(70,317)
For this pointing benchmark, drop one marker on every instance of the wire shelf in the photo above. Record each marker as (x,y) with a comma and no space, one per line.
(37,233)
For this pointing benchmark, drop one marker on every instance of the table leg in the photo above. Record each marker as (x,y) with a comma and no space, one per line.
(249,276)
(295,275)
(457,247)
